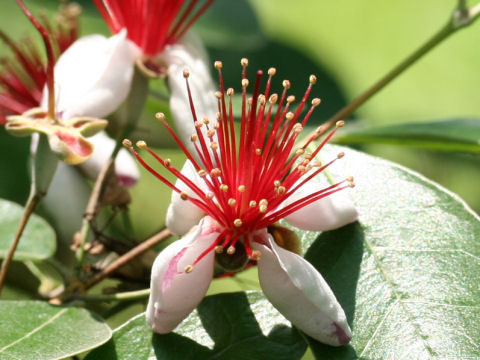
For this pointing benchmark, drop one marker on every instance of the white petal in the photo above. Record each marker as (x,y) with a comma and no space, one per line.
(182,215)
(65,201)
(125,166)
(174,293)
(300,293)
(328,213)
(189,54)
(93,77)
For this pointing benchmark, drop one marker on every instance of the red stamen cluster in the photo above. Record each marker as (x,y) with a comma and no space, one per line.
(151,24)
(23,77)
(250,176)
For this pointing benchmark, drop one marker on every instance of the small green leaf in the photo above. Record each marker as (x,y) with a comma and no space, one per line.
(449,135)
(407,273)
(226,326)
(38,240)
(36,330)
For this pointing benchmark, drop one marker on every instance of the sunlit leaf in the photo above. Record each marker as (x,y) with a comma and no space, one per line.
(36,330)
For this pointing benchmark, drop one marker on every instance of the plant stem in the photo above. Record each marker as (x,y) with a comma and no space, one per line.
(123,296)
(30,207)
(460,18)
(125,258)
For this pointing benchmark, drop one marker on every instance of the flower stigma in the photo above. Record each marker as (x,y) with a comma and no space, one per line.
(249,174)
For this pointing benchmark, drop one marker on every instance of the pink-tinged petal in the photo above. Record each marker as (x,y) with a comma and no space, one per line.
(328,213)
(173,292)
(182,215)
(125,166)
(301,294)
(93,77)
(189,54)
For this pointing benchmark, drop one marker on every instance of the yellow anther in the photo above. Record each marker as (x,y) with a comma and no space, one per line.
(206,121)
(317,163)
(218,94)
(198,124)
(256,255)
(232,202)
(188,269)
(237,222)
(252,203)
(214,145)
(244,62)
(186,73)
(241,188)
(209,195)
(210,133)
(273,99)
(127,143)
(352,185)
(298,128)
(224,187)
(218,249)
(286,84)
(281,190)
(231,250)
(141,144)
(289,116)
(261,99)
(272,71)
(202,173)
(262,209)
(290,99)
(307,156)
(340,155)
(312,79)
(340,123)
(263,202)
(316,101)
(349,178)
(277,183)
(160,116)
(167,162)
(258,151)
(230,92)
(184,195)
(299,151)
(301,168)
(245,83)
(218,64)
(215,172)
(193,137)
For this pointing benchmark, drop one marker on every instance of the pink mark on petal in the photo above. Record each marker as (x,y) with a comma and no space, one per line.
(172,270)
(126,180)
(343,338)
(75,144)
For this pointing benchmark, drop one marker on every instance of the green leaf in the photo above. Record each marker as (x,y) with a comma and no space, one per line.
(407,273)
(448,135)
(37,330)
(38,240)
(226,326)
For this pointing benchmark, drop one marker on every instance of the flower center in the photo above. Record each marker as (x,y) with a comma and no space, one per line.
(249,177)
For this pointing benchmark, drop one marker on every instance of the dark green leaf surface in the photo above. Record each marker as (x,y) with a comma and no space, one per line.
(450,135)
(38,240)
(226,326)
(407,274)
(36,330)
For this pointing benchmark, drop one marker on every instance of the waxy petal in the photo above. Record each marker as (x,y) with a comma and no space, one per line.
(182,215)
(93,77)
(328,213)
(189,54)
(125,166)
(173,292)
(301,294)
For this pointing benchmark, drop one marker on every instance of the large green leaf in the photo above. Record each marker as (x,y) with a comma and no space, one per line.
(38,240)
(407,274)
(36,330)
(226,326)
(448,135)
